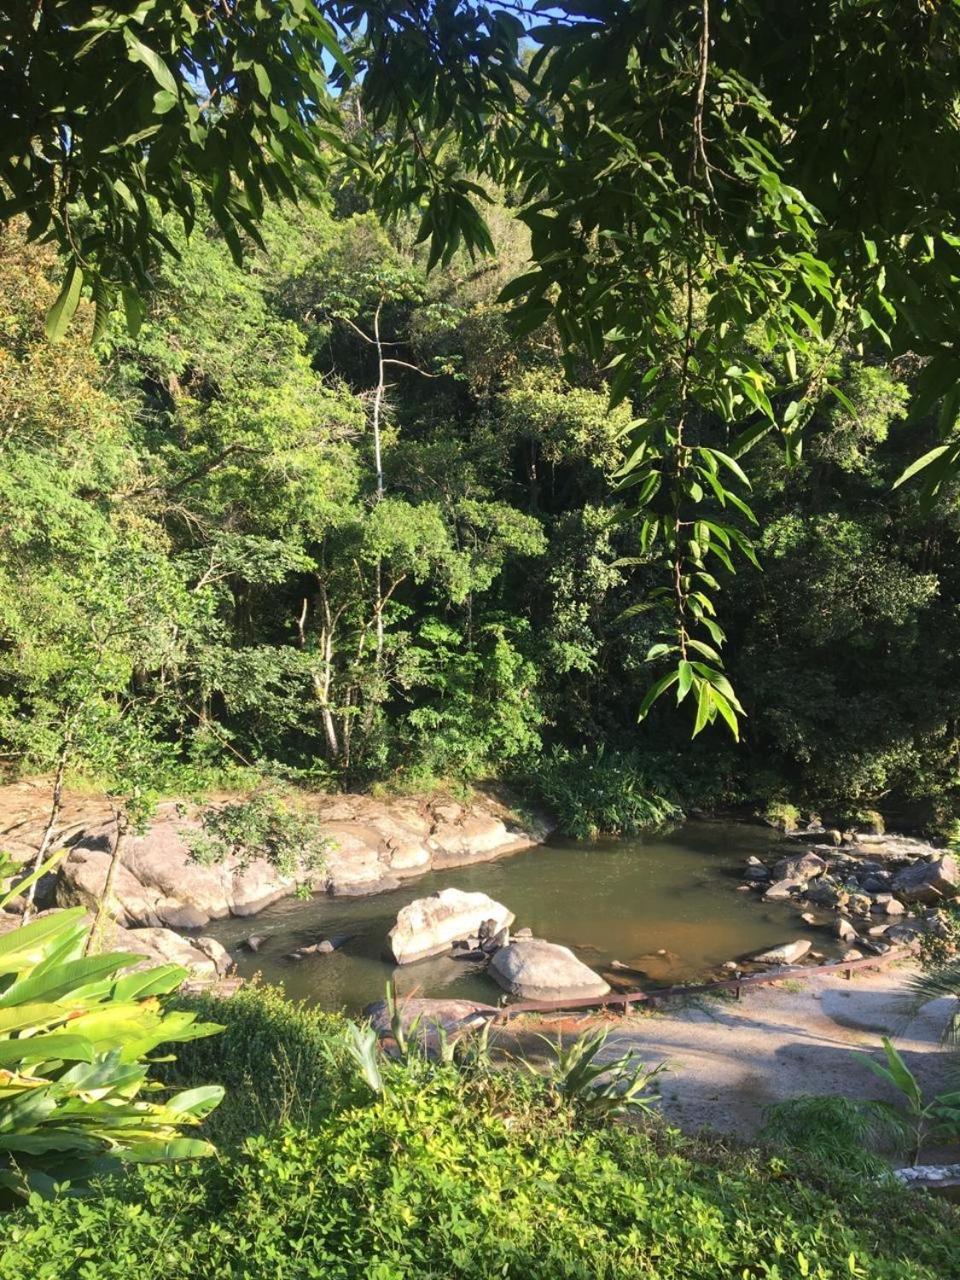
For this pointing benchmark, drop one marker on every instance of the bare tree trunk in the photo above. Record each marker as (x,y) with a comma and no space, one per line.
(94,937)
(56,805)
(323,680)
(379,492)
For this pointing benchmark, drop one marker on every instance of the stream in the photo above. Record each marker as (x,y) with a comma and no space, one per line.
(667,904)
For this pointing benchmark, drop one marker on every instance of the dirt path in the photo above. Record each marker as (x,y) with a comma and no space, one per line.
(730,1059)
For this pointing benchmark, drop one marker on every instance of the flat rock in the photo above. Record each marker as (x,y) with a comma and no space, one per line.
(928,882)
(783,889)
(430,926)
(450,1015)
(537,970)
(786,953)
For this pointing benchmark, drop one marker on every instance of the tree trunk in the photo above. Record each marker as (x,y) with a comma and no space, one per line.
(95,936)
(56,804)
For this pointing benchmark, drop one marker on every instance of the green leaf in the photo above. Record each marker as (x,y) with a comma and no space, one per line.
(705,708)
(654,692)
(921,464)
(63,310)
(137,51)
(684,680)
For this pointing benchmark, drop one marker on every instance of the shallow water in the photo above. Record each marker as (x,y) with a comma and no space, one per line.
(620,900)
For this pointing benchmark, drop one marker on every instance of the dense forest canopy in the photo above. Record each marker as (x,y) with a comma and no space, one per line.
(465,353)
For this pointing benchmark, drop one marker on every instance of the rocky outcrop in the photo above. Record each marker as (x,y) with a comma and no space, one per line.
(928,882)
(373,845)
(430,926)
(537,970)
(205,960)
(158,884)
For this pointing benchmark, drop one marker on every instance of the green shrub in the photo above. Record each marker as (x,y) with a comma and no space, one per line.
(593,793)
(457,1177)
(782,815)
(279,1061)
(264,824)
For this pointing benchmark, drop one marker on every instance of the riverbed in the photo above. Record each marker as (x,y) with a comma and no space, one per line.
(667,905)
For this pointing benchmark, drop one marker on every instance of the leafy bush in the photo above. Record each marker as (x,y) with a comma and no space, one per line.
(262,825)
(782,815)
(592,793)
(75,1033)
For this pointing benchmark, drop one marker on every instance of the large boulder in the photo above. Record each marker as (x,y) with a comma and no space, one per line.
(928,881)
(804,866)
(537,970)
(430,926)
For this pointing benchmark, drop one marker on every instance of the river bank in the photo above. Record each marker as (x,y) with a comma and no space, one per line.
(730,1059)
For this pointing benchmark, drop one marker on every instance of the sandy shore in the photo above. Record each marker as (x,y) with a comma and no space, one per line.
(728,1059)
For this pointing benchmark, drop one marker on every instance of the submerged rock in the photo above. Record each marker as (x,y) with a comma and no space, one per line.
(786,953)
(783,889)
(430,926)
(537,970)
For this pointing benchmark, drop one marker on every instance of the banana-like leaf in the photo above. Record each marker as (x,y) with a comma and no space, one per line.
(196,1102)
(66,979)
(45,1048)
(27,945)
(175,1149)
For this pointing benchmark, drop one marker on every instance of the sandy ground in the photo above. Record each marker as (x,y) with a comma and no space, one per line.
(728,1059)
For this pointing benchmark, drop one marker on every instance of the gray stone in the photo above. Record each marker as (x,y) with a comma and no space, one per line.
(429,1015)
(853,954)
(537,970)
(844,930)
(903,933)
(928,881)
(826,895)
(803,867)
(430,926)
(886,904)
(786,953)
(875,883)
(216,952)
(783,889)
(254,942)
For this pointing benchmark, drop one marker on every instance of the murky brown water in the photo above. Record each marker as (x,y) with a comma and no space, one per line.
(615,900)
